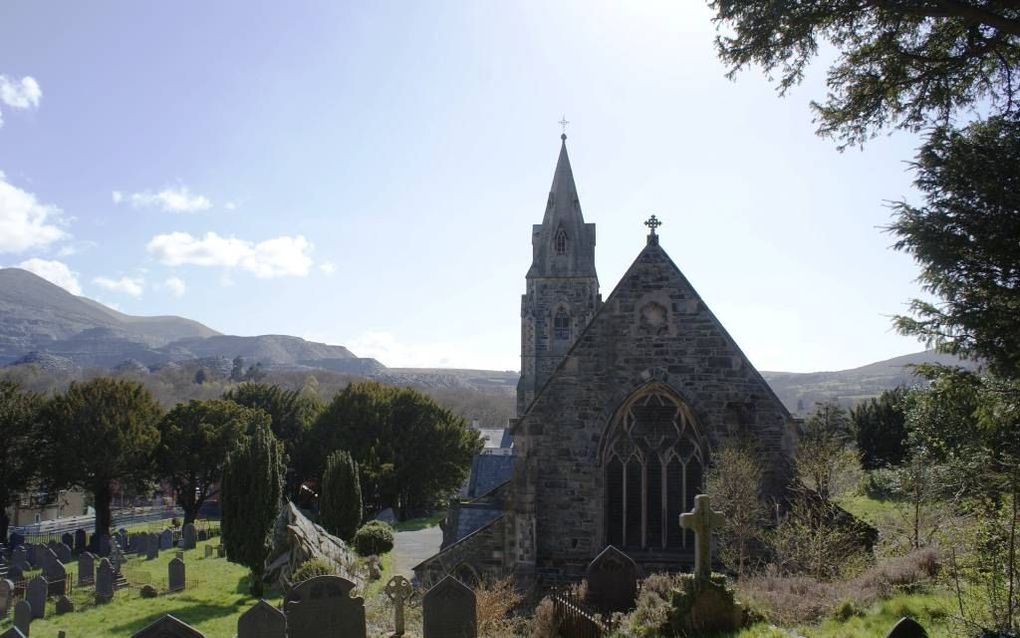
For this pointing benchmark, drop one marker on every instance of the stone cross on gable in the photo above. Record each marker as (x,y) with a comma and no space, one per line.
(653,223)
(701,521)
(398,590)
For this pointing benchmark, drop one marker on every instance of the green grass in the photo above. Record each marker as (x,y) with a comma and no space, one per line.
(416,524)
(869,509)
(216,594)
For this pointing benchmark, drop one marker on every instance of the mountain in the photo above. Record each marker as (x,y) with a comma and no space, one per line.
(44,324)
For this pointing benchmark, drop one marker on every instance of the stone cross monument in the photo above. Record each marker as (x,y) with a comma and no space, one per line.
(398,590)
(701,521)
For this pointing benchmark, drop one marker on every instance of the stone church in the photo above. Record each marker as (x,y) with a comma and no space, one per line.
(620,404)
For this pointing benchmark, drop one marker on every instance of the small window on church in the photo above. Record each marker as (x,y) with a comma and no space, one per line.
(561,325)
(560,243)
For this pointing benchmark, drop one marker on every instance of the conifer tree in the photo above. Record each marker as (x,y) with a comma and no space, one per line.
(252,491)
(340,496)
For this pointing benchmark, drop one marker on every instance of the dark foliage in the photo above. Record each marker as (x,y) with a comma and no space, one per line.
(375,537)
(19,414)
(340,505)
(881,430)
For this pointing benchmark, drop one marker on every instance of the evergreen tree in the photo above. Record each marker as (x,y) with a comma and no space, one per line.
(251,495)
(19,413)
(100,433)
(340,496)
(881,430)
(195,438)
(237,369)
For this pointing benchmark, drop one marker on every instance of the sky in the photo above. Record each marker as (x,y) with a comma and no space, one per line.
(367,174)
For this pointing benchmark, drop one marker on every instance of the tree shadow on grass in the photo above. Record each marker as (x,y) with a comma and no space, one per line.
(418,524)
(191,614)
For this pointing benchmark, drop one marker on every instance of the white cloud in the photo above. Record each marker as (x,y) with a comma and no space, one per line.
(327,267)
(176,286)
(172,200)
(55,272)
(20,94)
(283,256)
(230,206)
(133,286)
(25,222)
(391,352)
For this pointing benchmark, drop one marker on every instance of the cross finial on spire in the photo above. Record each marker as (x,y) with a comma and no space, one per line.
(563,122)
(653,223)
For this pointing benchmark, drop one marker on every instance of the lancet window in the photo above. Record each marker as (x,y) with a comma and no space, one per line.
(654,466)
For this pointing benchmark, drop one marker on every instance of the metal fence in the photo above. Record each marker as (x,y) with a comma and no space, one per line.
(574,618)
(45,531)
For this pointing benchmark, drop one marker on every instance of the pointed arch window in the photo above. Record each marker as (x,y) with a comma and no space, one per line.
(561,325)
(560,242)
(653,460)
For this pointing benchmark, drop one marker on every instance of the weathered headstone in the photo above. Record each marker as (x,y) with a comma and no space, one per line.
(104,581)
(189,536)
(14,632)
(179,554)
(168,627)
(262,621)
(67,539)
(55,574)
(63,552)
(208,551)
(907,627)
(19,558)
(15,573)
(35,594)
(612,581)
(322,607)
(116,556)
(221,550)
(153,547)
(203,534)
(398,590)
(86,568)
(176,575)
(80,539)
(122,538)
(449,611)
(6,596)
(702,520)
(14,539)
(166,539)
(64,605)
(148,591)
(103,545)
(140,544)
(23,615)
(32,551)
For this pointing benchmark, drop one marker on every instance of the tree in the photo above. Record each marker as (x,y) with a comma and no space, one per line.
(200,376)
(340,496)
(880,426)
(965,240)
(19,413)
(99,433)
(410,452)
(734,483)
(291,414)
(237,369)
(824,459)
(195,438)
(251,494)
(908,64)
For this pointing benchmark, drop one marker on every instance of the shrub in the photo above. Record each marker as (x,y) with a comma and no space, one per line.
(313,567)
(374,537)
(340,500)
(495,602)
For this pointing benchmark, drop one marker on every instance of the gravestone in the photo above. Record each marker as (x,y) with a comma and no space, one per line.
(208,551)
(63,552)
(35,594)
(702,520)
(6,596)
(398,590)
(449,611)
(153,547)
(32,552)
(67,539)
(907,627)
(166,539)
(64,605)
(612,581)
(23,615)
(104,545)
(19,558)
(148,591)
(262,621)
(140,544)
(168,627)
(322,607)
(86,568)
(15,573)
(104,581)
(189,536)
(79,541)
(56,575)
(180,554)
(221,550)
(203,534)
(15,539)
(122,538)
(116,556)
(176,575)
(14,632)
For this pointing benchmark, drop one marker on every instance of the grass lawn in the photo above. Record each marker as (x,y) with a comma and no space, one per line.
(216,594)
(415,524)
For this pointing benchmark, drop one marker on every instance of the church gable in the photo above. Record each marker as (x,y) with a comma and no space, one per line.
(616,442)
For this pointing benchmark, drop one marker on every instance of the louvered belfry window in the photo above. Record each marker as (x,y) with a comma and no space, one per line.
(654,466)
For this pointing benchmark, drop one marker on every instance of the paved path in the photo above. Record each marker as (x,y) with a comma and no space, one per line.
(411,548)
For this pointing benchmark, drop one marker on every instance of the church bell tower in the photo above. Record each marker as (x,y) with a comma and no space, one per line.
(562,288)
